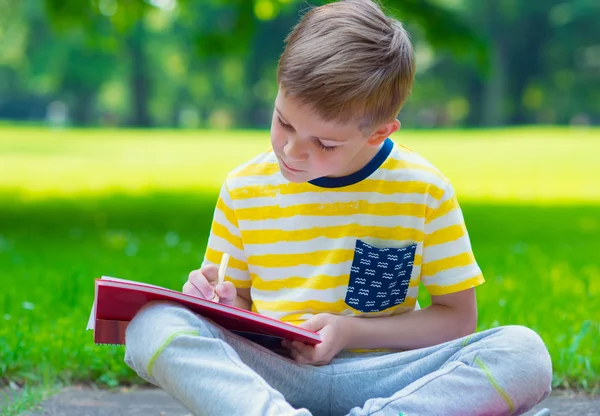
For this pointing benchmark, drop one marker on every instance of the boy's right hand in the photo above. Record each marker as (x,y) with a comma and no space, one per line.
(202,283)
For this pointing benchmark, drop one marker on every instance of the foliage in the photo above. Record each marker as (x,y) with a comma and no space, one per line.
(212,63)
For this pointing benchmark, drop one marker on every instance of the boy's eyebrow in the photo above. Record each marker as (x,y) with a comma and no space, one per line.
(314,137)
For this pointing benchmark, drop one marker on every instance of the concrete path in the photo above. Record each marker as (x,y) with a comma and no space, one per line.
(84,401)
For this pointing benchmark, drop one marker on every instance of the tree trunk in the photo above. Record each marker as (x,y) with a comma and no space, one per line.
(525,63)
(82,110)
(139,77)
(494,112)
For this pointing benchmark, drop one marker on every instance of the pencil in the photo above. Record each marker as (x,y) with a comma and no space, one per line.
(222,270)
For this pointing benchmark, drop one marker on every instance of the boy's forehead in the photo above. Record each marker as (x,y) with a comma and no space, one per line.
(304,117)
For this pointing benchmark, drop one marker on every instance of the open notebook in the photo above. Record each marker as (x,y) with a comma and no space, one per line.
(117,301)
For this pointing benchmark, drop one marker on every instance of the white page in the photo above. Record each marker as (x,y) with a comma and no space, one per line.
(116,279)
(92,320)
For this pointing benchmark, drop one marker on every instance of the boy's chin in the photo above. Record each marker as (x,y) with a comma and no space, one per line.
(299,177)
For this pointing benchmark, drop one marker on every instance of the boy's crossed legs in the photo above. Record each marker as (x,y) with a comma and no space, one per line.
(211,371)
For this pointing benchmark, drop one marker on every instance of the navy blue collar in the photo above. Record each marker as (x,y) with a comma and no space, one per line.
(365,172)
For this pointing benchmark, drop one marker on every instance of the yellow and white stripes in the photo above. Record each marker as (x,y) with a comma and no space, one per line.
(293,244)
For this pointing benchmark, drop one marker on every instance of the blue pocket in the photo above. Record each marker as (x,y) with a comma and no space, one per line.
(379,277)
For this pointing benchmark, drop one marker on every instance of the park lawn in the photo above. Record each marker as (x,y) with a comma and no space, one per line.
(76,205)
(527,165)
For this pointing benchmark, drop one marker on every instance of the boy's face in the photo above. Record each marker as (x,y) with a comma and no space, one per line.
(308,147)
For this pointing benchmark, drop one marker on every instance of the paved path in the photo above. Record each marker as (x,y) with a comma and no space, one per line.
(83,401)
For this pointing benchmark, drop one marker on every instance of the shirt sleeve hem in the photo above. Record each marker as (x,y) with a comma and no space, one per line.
(437,290)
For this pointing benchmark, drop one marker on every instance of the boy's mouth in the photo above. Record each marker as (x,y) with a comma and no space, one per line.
(288,167)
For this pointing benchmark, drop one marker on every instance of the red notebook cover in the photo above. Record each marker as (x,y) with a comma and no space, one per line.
(117,301)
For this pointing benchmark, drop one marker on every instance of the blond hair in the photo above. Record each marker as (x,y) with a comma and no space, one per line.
(349,62)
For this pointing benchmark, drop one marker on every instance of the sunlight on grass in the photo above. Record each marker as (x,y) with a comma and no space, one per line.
(43,163)
(517,165)
(78,204)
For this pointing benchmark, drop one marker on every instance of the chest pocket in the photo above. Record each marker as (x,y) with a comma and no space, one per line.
(379,277)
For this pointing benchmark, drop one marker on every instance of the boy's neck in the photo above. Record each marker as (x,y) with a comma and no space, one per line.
(360,161)
(358,174)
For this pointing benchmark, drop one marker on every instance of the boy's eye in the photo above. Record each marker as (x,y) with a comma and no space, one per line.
(284,125)
(321,145)
(325,148)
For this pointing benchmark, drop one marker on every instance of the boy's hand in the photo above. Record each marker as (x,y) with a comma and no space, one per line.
(201,283)
(333,340)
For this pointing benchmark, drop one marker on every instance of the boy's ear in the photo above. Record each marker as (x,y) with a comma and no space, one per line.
(383,132)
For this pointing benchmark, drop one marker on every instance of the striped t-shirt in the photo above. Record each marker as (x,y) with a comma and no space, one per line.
(355,245)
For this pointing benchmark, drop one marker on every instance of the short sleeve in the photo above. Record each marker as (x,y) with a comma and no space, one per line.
(225,237)
(448,263)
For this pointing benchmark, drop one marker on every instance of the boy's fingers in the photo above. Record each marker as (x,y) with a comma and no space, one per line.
(301,348)
(299,358)
(211,272)
(200,283)
(190,289)
(199,280)
(226,292)
(304,349)
(302,356)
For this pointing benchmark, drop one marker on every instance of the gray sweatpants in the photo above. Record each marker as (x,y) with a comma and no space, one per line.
(211,371)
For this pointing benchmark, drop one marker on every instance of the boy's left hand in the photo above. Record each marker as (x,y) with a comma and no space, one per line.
(333,340)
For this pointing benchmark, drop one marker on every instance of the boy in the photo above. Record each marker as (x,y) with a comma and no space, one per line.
(333,230)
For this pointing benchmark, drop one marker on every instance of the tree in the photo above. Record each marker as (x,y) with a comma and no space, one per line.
(240,29)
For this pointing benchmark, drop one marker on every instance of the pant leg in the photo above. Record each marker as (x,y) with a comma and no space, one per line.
(501,371)
(214,372)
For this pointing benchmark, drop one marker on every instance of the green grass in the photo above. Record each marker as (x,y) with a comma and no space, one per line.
(518,165)
(138,205)
(15,400)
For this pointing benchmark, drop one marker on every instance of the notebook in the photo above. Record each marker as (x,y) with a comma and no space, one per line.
(116,302)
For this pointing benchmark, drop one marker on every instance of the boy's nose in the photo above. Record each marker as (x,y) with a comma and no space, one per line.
(294,152)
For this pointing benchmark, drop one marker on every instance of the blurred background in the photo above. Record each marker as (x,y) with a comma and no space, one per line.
(119,120)
(190,64)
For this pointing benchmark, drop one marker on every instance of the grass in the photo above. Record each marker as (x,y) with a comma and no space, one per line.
(542,165)
(15,400)
(79,204)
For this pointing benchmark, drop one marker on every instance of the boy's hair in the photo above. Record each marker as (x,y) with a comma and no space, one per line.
(349,62)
